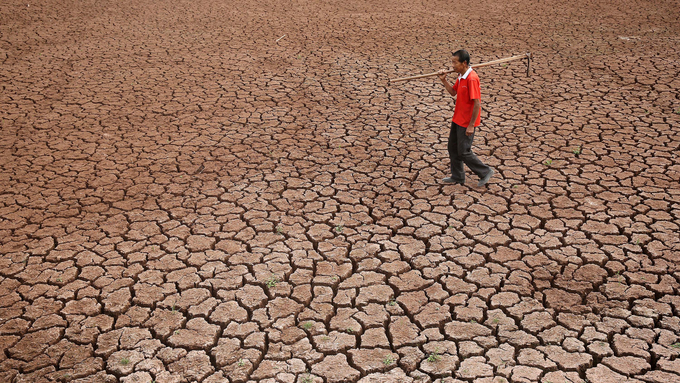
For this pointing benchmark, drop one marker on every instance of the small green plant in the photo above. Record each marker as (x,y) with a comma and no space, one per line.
(676,345)
(59,280)
(307,325)
(334,278)
(125,361)
(389,359)
(325,338)
(450,226)
(279,229)
(577,150)
(339,228)
(637,242)
(677,111)
(349,330)
(176,332)
(548,162)
(241,362)
(307,378)
(473,321)
(392,302)
(496,320)
(272,281)
(434,356)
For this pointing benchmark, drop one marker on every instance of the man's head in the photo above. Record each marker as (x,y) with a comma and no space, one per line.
(460,61)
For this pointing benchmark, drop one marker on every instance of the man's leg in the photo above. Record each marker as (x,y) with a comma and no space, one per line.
(457,170)
(468,157)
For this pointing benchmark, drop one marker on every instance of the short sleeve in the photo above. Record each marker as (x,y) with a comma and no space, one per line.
(474,89)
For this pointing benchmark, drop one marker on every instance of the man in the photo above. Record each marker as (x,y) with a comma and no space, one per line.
(466,117)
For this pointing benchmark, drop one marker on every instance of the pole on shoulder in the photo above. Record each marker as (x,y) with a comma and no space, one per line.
(419,76)
(499,61)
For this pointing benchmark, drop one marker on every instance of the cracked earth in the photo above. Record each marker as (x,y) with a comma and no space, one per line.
(200,191)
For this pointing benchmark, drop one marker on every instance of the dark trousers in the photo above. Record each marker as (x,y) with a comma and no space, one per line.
(460,152)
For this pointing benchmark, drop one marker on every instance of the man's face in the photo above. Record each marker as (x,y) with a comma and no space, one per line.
(458,66)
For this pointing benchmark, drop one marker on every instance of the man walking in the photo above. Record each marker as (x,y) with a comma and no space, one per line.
(466,117)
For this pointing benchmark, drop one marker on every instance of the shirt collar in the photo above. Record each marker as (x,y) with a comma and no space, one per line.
(467,72)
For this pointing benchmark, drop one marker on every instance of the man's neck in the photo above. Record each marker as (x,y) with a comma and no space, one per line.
(464,74)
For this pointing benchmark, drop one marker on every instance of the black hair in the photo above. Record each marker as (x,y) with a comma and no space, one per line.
(462,55)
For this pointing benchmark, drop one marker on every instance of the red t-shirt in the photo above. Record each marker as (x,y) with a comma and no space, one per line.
(466,90)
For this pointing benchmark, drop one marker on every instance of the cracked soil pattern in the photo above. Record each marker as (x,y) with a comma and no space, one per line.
(188,195)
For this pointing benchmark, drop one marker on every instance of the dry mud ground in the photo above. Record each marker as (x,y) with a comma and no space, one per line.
(185,199)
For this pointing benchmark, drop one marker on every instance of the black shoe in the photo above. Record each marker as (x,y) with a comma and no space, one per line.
(486,178)
(449,180)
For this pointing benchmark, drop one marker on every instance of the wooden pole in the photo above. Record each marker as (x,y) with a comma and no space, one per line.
(499,61)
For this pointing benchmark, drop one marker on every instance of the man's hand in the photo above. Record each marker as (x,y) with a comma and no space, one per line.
(476,108)
(442,76)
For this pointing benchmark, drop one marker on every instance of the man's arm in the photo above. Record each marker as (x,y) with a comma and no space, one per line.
(476,107)
(449,88)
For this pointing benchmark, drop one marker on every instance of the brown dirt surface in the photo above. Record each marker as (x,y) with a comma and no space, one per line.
(233,191)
